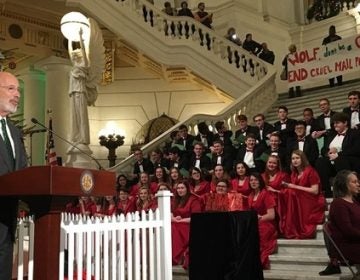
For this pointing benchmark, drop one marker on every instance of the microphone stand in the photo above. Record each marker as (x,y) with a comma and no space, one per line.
(35,121)
(31,132)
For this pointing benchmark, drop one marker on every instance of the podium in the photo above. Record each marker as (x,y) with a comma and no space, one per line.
(47,189)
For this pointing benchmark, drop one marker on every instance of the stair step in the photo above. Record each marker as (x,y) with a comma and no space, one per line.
(309,247)
(304,275)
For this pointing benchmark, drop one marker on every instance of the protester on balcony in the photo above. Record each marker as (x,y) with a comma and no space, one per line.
(141,165)
(344,222)
(353,109)
(324,121)
(341,151)
(13,157)
(175,178)
(185,203)
(266,54)
(304,143)
(198,184)
(332,37)
(204,17)
(160,177)
(302,203)
(144,181)
(125,203)
(169,10)
(293,91)
(240,183)
(251,46)
(244,129)
(199,159)
(122,182)
(219,174)
(185,11)
(232,36)
(145,201)
(264,204)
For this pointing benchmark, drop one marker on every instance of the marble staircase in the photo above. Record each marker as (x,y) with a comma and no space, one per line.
(294,259)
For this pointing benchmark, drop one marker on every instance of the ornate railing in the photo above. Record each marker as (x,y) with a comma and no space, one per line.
(323,9)
(182,40)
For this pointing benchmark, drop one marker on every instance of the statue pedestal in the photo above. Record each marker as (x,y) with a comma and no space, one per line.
(77,158)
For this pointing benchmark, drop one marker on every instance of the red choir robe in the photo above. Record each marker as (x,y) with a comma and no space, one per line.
(267,229)
(204,188)
(244,188)
(300,211)
(126,207)
(180,231)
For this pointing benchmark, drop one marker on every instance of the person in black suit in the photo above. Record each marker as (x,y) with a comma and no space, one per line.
(324,121)
(141,165)
(244,129)
(12,158)
(341,151)
(199,159)
(178,159)
(329,39)
(285,126)
(223,134)
(304,143)
(353,109)
(186,139)
(263,130)
(310,121)
(276,149)
(220,156)
(250,153)
(204,136)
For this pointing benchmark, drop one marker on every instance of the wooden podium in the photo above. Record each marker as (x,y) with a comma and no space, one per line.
(47,189)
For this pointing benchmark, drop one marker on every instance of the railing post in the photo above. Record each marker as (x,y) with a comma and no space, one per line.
(165,233)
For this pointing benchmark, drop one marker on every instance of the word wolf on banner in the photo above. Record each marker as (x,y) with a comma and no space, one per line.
(324,62)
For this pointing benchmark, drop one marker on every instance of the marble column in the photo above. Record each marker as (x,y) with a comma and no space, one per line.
(34,98)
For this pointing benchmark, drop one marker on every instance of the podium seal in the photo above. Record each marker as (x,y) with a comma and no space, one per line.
(87,181)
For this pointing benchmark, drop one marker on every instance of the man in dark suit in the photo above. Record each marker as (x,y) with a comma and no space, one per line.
(303,142)
(324,121)
(285,126)
(186,139)
(220,156)
(263,130)
(310,121)
(341,151)
(12,158)
(141,165)
(249,153)
(244,129)
(353,109)
(199,159)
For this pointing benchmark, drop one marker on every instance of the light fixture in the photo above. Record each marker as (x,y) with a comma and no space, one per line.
(71,23)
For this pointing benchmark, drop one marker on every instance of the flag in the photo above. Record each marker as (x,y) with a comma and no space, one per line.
(50,147)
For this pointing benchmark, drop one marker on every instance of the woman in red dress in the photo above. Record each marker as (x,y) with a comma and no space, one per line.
(108,207)
(125,204)
(144,181)
(145,201)
(219,174)
(160,177)
(263,203)
(122,182)
(185,203)
(301,203)
(198,184)
(240,183)
(175,178)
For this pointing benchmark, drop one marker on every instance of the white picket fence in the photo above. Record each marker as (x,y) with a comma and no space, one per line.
(23,257)
(135,247)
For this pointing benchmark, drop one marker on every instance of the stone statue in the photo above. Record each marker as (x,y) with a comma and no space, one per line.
(88,65)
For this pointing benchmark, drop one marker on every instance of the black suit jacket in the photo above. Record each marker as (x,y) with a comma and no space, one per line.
(282,154)
(259,164)
(311,148)
(350,145)
(9,205)
(287,133)
(226,137)
(227,161)
(147,166)
(347,111)
(205,162)
(321,121)
(188,142)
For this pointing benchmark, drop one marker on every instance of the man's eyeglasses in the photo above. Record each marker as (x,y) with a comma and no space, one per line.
(12,89)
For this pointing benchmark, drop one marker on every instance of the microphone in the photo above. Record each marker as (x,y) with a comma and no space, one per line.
(35,121)
(31,132)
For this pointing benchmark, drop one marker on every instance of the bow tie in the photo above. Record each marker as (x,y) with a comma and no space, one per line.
(354,110)
(342,133)
(301,140)
(247,150)
(327,117)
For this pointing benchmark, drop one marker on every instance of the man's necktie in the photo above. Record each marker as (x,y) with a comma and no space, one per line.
(7,140)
